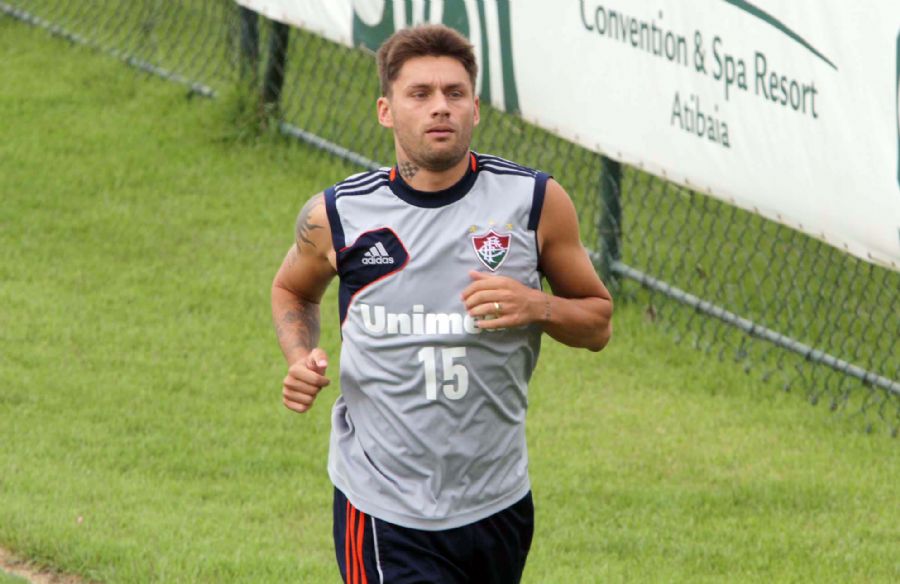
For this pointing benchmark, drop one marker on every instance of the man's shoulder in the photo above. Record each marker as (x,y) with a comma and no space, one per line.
(361,183)
(500,165)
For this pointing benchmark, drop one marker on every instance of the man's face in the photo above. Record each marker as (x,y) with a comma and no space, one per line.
(432,110)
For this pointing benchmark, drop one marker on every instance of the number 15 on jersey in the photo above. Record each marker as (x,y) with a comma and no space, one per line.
(455,375)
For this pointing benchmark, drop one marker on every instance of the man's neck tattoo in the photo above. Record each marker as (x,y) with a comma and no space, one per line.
(407,169)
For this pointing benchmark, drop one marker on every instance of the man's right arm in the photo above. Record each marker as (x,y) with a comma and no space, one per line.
(297,290)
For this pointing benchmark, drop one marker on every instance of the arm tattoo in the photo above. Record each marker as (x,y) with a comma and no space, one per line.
(298,326)
(407,169)
(304,225)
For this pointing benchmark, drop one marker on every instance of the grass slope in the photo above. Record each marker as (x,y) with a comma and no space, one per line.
(143,436)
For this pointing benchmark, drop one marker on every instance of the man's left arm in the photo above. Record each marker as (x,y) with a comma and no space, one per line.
(578,313)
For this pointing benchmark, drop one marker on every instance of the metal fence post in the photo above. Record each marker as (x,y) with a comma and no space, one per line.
(275,66)
(249,57)
(610,224)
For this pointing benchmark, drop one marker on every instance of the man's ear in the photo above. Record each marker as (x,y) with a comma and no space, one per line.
(385,117)
(477,110)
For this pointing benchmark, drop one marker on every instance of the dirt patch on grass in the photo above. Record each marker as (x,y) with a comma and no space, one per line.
(19,567)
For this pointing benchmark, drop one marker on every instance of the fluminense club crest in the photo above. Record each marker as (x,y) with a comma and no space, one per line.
(492,248)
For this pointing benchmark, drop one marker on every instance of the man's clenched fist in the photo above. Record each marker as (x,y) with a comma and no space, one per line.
(304,381)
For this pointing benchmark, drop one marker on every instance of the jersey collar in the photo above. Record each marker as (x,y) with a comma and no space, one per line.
(433,199)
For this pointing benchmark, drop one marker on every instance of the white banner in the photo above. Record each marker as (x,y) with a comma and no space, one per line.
(788,109)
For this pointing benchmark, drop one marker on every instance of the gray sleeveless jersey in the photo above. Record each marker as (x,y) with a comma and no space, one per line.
(429,429)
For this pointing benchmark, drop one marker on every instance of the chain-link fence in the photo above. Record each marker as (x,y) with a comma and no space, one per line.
(784,305)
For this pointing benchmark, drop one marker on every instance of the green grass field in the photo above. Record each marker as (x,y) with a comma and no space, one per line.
(143,439)
(10,579)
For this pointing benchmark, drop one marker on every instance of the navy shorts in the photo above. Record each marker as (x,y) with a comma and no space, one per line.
(372,551)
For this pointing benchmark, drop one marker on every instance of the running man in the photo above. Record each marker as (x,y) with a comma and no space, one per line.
(440,260)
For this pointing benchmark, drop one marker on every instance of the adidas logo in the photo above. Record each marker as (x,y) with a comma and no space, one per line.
(377,255)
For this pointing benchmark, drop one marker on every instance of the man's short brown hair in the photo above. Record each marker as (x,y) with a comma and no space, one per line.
(427,40)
